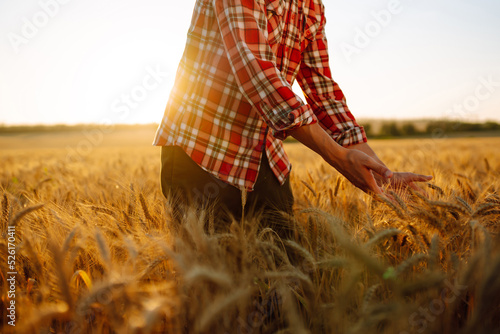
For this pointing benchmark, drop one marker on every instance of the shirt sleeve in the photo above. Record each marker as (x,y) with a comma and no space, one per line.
(322,93)
(243,25)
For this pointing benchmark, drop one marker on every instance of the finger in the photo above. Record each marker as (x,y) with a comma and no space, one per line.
(412,177)
(374,188)
(368,184)
(378,168)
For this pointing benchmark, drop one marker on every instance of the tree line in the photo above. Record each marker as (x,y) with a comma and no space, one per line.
(409,129)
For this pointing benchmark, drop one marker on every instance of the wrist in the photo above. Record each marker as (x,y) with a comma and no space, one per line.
(365,148)
(314,137)
(335,155)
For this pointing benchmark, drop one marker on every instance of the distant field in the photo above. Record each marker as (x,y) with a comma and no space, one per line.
(83,137)
(97,251)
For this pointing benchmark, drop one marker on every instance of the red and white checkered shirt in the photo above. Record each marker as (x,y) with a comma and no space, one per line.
(232,98)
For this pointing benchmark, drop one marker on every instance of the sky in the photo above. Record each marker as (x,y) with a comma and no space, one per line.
(114,61)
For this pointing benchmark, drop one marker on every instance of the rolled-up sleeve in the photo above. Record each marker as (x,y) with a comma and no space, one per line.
(243,25)
(322,93)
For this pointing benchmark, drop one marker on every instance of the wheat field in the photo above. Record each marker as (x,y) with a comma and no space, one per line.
(97,251)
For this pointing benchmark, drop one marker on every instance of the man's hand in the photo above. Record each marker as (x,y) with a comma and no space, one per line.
(358,167)
(399,180)
(404,180)
(358,163)
(362,170)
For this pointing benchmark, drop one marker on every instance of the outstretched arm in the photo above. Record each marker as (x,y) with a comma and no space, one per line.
(358,167)
(358,163)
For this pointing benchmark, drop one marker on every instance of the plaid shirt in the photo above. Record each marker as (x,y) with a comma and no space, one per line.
(232,97)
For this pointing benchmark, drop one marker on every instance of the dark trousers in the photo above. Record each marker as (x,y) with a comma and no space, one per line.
(185,183)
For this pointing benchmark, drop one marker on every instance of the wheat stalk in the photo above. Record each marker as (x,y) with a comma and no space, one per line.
(450,206)
(487,238)
(151,266)
(467,189)
(102,210)
(382,236)
(103,248)
(5,209)
(332,262)
(302,251)
(392,206)
(275,250)
(464,204)
(311,189)
(18,216)
(34,258)
(202,273)
(368,298)
(483,208)
(410,262)
(337,186)
(61,274)
(145,209)
(425,282)
(131,202)
(211,314)
(492,198)
(487,165)
(435,187)
(434,252)
(312,234)
(430,219)
(400,201)
(68,240)
(264,231)
(83,276)
(359,253)
(491,212)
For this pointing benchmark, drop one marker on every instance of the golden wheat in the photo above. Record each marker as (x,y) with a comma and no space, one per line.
(97,250)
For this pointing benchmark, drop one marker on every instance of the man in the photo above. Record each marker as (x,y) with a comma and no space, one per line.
(232,105)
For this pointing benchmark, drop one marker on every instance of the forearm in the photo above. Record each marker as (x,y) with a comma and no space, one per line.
(354,164)
(314,137)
